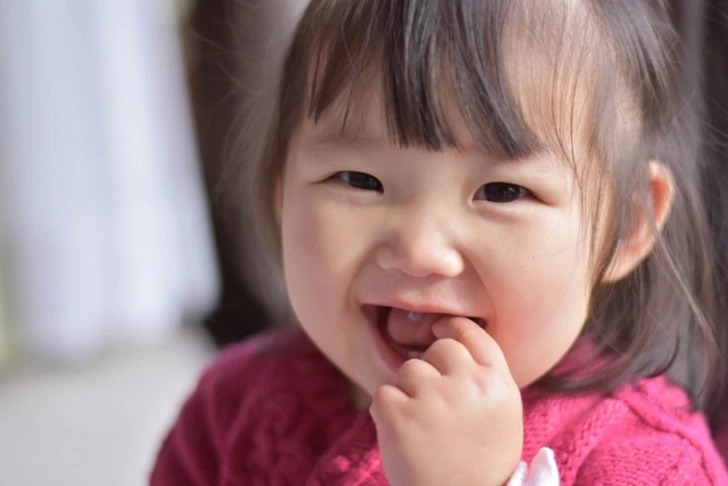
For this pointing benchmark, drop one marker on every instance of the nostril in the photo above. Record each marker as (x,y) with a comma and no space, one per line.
(421,254)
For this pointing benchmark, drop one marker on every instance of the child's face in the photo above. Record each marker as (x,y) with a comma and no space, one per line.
(371,231)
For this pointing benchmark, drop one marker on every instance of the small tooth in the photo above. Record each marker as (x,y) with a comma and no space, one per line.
(414,316)
(415,354)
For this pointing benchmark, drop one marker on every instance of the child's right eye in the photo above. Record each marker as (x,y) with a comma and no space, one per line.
(360,180)
(501,192)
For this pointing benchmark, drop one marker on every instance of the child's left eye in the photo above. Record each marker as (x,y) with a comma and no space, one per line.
(360,180)
(501,192)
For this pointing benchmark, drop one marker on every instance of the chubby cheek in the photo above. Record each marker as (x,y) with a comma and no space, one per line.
(318,259)
(540,306)
(545,338)
(307,270)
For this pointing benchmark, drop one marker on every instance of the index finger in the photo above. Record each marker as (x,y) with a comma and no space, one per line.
(477,341)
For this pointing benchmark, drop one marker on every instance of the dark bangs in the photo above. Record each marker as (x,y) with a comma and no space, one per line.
(426,55)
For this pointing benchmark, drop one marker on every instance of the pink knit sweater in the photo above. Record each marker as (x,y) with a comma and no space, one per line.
(274,411)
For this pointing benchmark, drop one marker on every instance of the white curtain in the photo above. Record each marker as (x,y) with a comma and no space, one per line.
(105,234)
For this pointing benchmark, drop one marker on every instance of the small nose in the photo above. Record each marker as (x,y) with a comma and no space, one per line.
(421,246)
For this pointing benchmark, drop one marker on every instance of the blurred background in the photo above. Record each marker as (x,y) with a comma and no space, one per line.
(122,267)
(120,270)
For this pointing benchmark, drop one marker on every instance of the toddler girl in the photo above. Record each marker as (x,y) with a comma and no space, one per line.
(488,217)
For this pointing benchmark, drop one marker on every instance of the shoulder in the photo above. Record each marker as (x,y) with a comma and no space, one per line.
(656,437)
(243,385)
(643,433)
(278,364)
(264,360)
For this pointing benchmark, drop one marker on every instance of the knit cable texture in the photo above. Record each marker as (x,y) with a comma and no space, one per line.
(274,411)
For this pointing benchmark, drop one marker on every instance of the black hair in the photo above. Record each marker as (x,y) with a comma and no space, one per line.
(598,82)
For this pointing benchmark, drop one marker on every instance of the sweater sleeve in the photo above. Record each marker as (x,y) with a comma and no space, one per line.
(664,459)
(658,439)
(192,452)
(646,432)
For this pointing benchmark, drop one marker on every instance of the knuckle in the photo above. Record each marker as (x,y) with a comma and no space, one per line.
(441,346)
(383,395)
(487,383)
(472,334)
(411,367)
(499,388)
(482,381)
(383,400)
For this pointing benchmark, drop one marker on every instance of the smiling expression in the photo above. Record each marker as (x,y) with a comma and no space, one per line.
(375,236)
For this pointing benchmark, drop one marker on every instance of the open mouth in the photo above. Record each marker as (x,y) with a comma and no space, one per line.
(408,333)
(404,334)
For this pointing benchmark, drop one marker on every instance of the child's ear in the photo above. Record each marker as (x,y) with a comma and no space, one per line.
(637,244)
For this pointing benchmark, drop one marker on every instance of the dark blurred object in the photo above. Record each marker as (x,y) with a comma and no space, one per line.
(715,83)
(704,26)
(716,107)
(216,101)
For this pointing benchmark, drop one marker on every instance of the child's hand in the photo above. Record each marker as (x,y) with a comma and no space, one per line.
(454,416)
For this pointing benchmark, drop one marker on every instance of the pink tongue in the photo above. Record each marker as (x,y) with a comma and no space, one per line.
(409,329)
